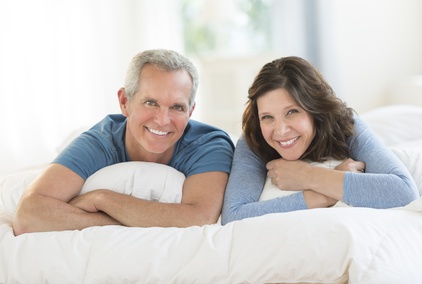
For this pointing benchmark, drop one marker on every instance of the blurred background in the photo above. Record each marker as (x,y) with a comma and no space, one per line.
(62,62)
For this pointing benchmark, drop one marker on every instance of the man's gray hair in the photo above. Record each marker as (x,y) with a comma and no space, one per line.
(168,60)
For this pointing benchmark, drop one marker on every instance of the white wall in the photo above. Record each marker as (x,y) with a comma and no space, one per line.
(369,48)
(62,63)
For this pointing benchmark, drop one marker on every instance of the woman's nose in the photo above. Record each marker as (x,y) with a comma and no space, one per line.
(282,127)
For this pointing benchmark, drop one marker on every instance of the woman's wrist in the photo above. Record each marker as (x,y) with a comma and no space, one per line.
(325,181)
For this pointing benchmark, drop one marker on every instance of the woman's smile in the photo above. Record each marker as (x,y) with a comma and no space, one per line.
(288,143)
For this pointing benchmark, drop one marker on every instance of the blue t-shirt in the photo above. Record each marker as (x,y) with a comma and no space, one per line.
(201,148)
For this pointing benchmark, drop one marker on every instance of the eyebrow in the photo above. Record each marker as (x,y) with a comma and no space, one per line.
(291,106)
(285,108)
(173,105)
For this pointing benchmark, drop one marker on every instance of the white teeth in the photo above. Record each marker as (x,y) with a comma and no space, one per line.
(287,143)
(157,132)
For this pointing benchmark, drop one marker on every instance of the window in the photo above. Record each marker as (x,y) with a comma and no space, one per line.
(238,27)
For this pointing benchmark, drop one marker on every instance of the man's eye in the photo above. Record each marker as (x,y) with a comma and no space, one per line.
(150,103)
(178,108)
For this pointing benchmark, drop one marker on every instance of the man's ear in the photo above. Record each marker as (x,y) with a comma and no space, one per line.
(191,109)
(123,101)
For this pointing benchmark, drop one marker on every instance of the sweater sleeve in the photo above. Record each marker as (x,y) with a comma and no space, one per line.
(386,182)
(245,186)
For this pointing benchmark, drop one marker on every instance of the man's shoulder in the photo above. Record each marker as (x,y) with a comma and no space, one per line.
(105,136)
(203,148)
(198,124)
(109,122)
(199,131)
(113,127)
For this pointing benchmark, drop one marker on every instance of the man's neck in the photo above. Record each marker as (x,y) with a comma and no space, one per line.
(142,155)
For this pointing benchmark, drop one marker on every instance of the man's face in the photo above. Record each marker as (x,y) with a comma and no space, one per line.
(157,114)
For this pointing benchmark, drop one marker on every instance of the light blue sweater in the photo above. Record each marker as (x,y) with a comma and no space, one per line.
(386,182)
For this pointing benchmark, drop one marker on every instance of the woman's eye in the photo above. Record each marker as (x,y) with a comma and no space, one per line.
(266,117)
(292,111)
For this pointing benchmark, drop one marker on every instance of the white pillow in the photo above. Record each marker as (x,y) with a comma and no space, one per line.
(150,181)
(412,159)
(145,180)
(395,124)
(11,188)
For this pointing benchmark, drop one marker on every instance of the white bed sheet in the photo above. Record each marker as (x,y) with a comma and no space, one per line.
(332,245)
(337,245)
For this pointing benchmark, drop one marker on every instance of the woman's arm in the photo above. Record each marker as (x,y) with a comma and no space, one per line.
(245,185)
(299,175)
(386,182)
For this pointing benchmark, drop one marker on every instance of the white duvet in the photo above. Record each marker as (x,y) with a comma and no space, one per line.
(335,245)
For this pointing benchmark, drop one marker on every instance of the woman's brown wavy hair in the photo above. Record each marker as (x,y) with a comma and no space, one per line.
(333,120)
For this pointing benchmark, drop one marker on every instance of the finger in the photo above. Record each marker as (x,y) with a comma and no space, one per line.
(273,164)
(361,167)
(270,165)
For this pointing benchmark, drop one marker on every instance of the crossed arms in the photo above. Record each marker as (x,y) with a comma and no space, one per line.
(52,203)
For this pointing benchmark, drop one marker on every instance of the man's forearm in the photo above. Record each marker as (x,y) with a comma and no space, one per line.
(41,214)
(135,212)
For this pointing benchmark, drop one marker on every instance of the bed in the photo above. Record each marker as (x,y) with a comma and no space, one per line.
(331,245)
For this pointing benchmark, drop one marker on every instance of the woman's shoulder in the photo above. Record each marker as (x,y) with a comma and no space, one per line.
(360,124)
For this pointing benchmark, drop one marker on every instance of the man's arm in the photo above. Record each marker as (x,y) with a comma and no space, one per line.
(44,205)
(201,204)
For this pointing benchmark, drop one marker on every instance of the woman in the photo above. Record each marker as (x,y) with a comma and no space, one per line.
(293,118)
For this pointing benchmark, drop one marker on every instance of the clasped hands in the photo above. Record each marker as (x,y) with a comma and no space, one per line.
(321,187)
(295,175)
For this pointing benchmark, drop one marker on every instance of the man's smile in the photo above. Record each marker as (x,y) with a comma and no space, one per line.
(157,132)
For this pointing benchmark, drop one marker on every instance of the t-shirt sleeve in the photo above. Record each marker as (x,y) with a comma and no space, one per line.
(87,153)
(209,152)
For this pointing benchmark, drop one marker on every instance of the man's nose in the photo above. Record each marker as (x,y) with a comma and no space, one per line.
(162,117)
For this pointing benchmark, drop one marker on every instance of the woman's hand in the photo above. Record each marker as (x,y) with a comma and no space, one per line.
(317,200)
(351,165)
(291,175)
(288,175)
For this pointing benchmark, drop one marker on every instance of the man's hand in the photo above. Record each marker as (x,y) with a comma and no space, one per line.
(200,205)
(52,203)
(87,201)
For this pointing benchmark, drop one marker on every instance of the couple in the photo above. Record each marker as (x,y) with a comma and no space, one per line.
(292,118)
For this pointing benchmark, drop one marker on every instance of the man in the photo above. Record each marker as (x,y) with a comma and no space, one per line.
(155,126)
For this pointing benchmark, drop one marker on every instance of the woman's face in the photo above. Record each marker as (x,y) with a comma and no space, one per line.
(286,127)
